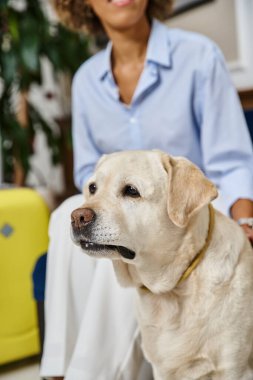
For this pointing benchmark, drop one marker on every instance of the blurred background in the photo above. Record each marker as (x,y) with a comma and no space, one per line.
(37,62)
(38,58)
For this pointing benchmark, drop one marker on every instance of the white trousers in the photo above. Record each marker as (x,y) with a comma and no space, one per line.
(91,330)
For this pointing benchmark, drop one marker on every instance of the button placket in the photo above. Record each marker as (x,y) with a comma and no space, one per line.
(135,129)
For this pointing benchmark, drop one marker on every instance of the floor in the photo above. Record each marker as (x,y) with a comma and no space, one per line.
(27,370)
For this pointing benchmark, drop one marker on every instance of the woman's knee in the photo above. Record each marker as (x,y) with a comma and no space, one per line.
(61,215)
(69,204)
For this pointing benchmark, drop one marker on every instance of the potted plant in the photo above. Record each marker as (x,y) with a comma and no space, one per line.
(27,37)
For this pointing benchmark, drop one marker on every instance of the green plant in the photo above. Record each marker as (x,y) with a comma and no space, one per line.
(27,36)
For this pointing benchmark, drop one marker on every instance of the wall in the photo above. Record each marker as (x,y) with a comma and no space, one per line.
(230,24)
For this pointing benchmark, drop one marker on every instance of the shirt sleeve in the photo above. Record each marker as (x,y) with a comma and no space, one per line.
(86,153)
(225,140)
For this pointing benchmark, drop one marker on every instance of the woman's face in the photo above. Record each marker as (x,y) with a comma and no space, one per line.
(119,14)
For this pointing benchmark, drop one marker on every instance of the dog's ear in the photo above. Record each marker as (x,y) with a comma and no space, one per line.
(188,189)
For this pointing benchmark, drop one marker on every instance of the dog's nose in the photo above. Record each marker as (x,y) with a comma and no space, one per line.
(82,216)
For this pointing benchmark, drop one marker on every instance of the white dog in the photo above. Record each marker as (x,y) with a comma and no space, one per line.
(192,266)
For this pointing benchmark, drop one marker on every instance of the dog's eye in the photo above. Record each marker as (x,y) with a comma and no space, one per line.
(130,191)
(92,188)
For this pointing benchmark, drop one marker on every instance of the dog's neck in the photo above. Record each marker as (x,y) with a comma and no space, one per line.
(198,256)
(186,257)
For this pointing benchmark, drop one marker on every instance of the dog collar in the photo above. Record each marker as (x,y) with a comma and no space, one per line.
(197,259)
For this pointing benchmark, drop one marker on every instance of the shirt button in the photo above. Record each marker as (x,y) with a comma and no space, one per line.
(132,120)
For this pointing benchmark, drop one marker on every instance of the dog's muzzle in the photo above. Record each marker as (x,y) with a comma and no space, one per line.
(82,221)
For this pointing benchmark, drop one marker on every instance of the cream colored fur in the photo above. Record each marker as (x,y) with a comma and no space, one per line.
(201,329)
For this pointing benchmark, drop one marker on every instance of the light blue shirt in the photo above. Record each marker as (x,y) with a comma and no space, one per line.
(184,104)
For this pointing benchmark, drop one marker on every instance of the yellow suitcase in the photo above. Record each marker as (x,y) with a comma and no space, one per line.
(24,219)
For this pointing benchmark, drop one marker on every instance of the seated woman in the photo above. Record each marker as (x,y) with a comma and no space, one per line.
(151,88)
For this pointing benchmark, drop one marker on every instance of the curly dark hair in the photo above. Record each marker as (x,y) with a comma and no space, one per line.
(78,15)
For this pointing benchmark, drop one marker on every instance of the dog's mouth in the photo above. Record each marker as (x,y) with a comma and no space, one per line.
(94,248)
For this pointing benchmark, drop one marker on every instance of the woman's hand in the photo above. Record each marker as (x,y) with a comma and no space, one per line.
(243,208)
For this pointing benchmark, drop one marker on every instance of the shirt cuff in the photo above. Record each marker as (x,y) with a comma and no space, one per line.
(237,184)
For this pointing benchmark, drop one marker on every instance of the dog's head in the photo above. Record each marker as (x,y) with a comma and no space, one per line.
(139,202)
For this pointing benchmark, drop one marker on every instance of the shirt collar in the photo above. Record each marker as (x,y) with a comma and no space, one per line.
(158,50)
(106,61)
(158,45)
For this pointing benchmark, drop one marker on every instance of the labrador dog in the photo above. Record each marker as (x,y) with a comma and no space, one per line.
(192,266)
